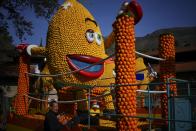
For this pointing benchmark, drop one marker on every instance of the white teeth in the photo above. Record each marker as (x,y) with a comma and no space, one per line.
(120,12)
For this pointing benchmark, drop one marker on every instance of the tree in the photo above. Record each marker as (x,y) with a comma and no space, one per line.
(10,13)
(5,39)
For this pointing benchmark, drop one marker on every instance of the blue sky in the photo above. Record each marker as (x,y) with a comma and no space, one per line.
(157,14)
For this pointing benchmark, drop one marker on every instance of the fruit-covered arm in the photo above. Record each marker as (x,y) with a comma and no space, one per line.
(32,50)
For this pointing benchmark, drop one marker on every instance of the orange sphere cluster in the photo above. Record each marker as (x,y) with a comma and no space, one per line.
(167,67)
(64,118)
(167,46)
(125,72)
(21,101)
(98,90)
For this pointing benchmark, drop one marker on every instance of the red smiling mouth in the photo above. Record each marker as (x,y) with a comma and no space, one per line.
(77,62)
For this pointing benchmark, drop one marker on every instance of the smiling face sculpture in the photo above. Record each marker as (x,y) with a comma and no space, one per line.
(74,41)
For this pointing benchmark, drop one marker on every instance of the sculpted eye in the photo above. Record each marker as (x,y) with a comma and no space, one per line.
(90,35)
(98,38)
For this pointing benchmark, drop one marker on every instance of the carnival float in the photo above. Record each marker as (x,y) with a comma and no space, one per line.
(75,71)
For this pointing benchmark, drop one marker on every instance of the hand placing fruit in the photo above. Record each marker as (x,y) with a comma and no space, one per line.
(62,119)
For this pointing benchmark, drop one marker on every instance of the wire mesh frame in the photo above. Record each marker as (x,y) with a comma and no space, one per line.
(171,103)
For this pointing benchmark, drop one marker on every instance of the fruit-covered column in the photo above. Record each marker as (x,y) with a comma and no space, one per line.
(125,64)
(21,101)
(167,68)
(125,72)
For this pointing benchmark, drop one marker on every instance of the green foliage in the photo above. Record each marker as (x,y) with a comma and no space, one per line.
(11,13)
(4,36)
(5,40)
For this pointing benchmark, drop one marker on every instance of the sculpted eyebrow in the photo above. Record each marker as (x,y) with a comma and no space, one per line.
(88,19)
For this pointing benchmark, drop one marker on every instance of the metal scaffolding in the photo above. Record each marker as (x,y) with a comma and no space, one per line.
(148,93)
